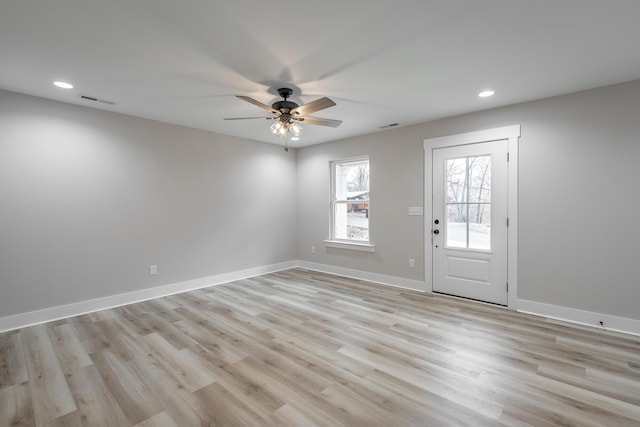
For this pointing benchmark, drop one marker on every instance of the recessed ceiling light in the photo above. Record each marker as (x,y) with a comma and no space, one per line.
(63,85)
(295,138)
(486,93)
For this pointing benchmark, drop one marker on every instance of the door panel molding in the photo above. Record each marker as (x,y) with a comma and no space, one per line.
(512,135)
(467,269)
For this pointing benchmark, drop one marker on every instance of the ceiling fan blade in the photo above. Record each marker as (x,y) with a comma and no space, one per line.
(313,106)
(319,121)
(246,118)
(258,103)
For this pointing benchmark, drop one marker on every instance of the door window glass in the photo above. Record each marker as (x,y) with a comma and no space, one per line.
(468,204)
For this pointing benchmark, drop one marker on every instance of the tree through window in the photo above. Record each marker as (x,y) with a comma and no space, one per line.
(350,200)
(468,202)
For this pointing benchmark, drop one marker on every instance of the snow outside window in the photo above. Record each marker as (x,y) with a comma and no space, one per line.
(350,200)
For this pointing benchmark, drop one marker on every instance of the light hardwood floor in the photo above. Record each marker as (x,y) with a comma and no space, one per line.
(300,348)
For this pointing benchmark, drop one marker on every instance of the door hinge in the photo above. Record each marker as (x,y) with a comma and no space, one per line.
(507,156)
(507,222)
(507,286)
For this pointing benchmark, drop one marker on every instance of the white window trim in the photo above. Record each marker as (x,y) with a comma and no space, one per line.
(357,245)
(342,244)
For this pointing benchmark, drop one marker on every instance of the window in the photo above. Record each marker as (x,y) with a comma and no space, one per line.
(350,202)
(469,202)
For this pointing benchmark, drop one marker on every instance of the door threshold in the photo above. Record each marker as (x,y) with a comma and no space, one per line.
(493,304)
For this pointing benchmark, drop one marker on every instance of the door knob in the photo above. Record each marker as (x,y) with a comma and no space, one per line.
(437,221)
(436,231)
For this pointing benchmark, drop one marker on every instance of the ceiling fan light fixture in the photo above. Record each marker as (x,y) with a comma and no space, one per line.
(295,129)
(281,129)
(276,128)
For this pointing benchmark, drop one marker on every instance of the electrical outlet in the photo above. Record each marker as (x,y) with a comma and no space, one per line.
(153,270)
(412,263)
(313,249)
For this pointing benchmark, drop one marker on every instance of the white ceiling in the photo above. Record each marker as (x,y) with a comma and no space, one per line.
(405,62)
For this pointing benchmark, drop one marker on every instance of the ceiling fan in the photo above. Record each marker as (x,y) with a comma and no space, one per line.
(289,114)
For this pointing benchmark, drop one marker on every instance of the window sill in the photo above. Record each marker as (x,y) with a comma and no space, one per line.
(365,247)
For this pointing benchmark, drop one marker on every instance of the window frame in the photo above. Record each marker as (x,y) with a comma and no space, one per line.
(342,243)
(468,203)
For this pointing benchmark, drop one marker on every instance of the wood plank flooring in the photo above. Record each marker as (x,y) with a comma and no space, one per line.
(301,348)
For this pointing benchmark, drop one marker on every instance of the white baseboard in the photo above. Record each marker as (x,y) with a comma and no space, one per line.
(61,312)
(382,279)
(582,317)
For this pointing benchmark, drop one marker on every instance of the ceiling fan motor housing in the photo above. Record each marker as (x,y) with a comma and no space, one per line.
(284,106)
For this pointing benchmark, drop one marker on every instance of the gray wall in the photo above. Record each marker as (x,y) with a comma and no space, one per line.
(396,182)
(90,199)
(579,198)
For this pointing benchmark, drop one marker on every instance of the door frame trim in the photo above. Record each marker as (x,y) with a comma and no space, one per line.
(512,135)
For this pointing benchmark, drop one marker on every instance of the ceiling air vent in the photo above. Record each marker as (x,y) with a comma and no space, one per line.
(388,126)
(94,99)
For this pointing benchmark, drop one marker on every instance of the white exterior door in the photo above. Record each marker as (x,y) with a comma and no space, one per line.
(470,229)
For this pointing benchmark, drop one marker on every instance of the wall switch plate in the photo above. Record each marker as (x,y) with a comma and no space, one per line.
(415,210)
(153,270)
(313,249)
(412,263)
